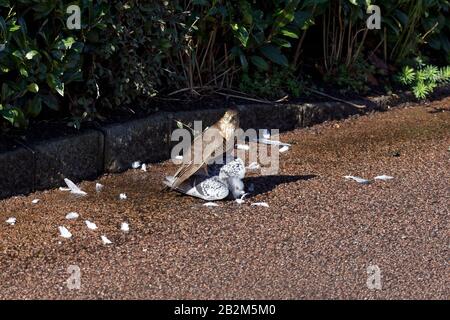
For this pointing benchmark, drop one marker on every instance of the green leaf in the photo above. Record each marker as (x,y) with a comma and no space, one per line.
(241,33)
(68,42)
(50,101)
(260,63)
(288,33)
(274,54)
(31,54)
(23,72)
(33,87)
(55,84)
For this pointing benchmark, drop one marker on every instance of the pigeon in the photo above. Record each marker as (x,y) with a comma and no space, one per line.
(209,188)
(225,127)
(218,182)
(233,168)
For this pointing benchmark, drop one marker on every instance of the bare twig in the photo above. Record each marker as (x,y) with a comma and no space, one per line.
(337,99)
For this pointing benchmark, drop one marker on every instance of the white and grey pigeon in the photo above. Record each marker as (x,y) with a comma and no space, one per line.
(218,182)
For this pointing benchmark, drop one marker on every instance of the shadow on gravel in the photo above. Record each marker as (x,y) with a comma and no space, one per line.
(263,184)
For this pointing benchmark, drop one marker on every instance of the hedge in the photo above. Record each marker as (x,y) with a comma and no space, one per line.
(127,52)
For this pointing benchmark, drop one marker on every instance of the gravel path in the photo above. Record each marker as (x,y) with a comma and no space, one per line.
(316,240)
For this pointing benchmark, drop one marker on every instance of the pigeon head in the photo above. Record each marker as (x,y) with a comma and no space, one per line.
(236,187)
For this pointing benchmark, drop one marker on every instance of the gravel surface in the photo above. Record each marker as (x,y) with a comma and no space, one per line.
(316,239)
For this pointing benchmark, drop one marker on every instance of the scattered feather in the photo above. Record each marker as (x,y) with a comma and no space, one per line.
(242,147)
(254,166)
(136,164)
(260,204)
(74,188)
(210,204)
(271,142)
(144,167)
(105,240)
(91,225)
(241,199)
(125,227)
(284,149)
(357,179)
(122,196)
(64,189)
(11,221)
(63,232)
(383,177)
(35,201)
(266,134)
(72,216)
(99,187)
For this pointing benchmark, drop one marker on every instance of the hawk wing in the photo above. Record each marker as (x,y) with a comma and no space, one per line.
(202,150)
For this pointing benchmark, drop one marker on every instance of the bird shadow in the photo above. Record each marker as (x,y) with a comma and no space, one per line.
(263,184)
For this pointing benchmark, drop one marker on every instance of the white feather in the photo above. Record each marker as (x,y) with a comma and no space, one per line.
(125,227)
(11,221)
(74,188)
(72,216)
(91,225)
(357,179)
(210,204)
(260,204)
(383,177)
(105,240)
(63,232)
(99,187)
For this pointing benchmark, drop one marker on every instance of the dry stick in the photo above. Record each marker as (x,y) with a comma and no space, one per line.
(186,89)
(243,98)
(337,99)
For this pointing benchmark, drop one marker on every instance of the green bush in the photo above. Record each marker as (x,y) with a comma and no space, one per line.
(129,51)
(424,78)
